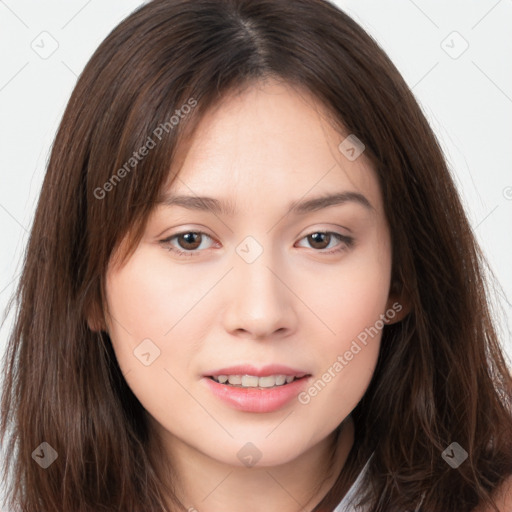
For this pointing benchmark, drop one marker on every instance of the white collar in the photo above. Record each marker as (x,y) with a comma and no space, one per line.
(347,503)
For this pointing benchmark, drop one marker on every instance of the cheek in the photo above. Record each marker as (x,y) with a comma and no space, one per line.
(135,295)
(147,299)
(353,302)
(154,344)
(355,292)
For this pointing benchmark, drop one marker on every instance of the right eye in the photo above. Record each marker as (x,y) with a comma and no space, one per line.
(189,242)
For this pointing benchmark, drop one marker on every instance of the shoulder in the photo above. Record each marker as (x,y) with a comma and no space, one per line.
(503,497)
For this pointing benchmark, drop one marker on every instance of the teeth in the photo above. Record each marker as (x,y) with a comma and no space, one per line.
(249,381)
(252,381)
(235,379)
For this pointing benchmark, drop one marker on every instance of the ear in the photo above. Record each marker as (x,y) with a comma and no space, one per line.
(95,318)
(398,304)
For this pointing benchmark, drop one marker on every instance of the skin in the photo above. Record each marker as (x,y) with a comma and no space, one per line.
(295,304)
(502,496)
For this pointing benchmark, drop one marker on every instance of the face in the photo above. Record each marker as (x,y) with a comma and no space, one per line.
(281,291)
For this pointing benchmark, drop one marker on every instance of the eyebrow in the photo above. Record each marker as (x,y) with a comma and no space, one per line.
(203,203)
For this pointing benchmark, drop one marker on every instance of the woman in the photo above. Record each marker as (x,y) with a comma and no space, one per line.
(250,283)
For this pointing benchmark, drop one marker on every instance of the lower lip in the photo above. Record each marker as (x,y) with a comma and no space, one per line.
(256,399)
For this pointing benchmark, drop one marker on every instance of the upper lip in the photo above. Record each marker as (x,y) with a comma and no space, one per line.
(264,371)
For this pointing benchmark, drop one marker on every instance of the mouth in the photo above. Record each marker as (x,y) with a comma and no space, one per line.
(256,390)
(254,381)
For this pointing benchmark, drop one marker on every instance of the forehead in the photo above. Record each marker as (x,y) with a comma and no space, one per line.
(271,142)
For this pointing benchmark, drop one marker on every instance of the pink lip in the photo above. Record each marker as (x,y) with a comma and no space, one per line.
(256,399)
(247,369)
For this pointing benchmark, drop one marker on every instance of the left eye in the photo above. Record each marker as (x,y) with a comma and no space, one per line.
(319,238)
(190,241)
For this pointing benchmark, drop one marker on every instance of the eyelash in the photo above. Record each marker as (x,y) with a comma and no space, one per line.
(347,240)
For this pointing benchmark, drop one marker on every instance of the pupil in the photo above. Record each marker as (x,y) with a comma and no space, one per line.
(189,239)
(314,237)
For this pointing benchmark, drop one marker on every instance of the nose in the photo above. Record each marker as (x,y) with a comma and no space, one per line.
(261,303)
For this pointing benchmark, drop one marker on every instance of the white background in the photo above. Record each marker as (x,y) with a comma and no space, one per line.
(467,99)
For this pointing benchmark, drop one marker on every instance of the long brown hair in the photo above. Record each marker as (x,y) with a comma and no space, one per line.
(441,375)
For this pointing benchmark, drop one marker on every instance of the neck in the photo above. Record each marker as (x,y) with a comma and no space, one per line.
(204,484)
